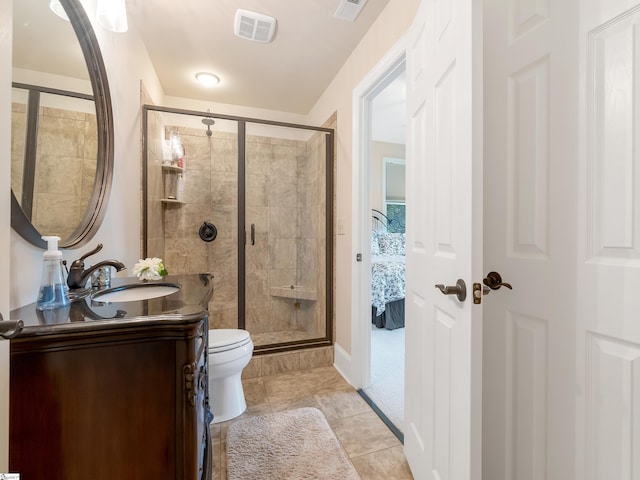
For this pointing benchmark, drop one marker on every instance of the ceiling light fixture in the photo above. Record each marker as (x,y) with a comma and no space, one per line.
(208,79)
(57,8)
(112,15)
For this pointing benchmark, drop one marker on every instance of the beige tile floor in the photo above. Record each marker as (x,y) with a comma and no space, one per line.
(374,451)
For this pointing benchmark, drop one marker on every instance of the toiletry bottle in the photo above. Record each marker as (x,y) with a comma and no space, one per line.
(53,303)
(180,188)
(177,149)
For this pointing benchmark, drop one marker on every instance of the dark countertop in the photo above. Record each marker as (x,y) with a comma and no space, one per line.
(189,304)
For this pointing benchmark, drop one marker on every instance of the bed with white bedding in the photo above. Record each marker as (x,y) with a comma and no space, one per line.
(387,279)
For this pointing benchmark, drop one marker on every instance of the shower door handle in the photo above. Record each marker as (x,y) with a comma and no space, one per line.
(253,234)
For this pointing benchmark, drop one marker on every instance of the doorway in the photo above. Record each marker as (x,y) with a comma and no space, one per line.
(385,390)
(381,280)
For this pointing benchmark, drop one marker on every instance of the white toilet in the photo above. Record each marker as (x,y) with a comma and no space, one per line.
(229,352)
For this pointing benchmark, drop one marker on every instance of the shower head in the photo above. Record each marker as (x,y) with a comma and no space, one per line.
(208,121)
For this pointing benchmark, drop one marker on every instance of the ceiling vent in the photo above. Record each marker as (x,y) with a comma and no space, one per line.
(349,9)
(254,26)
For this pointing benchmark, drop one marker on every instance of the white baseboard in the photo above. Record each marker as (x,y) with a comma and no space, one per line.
(342,362)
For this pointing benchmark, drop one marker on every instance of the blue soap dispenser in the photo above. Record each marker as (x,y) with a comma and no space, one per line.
(53,303)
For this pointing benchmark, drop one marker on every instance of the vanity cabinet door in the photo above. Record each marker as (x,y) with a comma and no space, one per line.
(110,405)
(93,412)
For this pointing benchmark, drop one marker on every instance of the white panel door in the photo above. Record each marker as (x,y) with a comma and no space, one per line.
(608,347)
(444,240)
(530,209)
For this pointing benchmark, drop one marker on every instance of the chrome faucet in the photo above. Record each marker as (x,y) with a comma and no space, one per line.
(78,276)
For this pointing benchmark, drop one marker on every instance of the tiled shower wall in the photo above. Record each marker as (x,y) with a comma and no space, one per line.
(285,199)
(312,242)
(210,195)
(65,166)
(155,188)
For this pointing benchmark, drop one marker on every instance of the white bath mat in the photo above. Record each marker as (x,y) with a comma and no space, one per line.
(292,445)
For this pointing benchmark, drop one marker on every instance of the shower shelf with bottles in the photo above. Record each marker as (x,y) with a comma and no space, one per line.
(173,184)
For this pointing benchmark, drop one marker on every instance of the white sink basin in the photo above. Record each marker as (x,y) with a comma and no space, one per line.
(135,292)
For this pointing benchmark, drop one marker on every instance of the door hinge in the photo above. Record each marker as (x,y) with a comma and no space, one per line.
(358,257)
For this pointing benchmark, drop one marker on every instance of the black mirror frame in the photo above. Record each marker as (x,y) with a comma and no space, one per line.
(95,211)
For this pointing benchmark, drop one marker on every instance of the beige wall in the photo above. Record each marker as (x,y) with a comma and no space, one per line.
(390,26)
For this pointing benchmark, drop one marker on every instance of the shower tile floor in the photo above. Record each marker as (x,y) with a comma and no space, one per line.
(372,448)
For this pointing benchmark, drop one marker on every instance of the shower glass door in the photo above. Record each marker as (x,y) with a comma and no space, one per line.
(286,227)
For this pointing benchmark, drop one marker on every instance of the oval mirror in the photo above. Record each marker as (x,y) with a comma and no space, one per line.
(62,125)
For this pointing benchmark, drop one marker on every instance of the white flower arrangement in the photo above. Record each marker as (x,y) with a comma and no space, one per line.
(150,269)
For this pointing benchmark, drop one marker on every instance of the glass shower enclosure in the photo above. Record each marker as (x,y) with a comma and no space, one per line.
(249,201)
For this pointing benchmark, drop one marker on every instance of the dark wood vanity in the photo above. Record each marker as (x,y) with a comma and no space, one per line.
(121,397)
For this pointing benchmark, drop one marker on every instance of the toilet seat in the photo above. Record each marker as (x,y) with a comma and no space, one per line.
(224,339)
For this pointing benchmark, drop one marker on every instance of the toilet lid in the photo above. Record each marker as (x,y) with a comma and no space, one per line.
(226,338)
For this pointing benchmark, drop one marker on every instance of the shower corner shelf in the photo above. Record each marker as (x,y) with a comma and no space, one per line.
(294,291)
(171,174)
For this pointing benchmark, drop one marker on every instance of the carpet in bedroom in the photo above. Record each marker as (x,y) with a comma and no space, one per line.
(387,373)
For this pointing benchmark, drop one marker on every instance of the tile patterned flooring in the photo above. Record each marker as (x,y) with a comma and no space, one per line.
(374,451)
